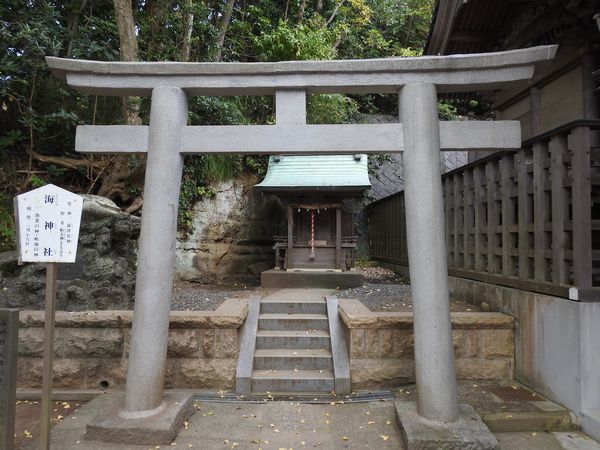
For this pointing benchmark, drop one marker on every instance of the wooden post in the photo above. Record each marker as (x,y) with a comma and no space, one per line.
(478,216)
(290,238)
(560,208)
(456,217)
(508,214)
(467,219)
(9,336)
(524,214)
(493,214)
(579,144)
(47,373)
(540,212)
(338,239)
(448,218)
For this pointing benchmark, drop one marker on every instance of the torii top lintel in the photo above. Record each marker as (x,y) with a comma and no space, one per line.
(454,73)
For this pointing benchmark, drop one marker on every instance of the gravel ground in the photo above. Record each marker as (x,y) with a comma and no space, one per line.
(208,297)
(383,290)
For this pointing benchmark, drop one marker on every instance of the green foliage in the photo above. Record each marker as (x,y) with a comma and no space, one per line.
(301,42)
(7,225)
(331,108)
(38,112)
(376,161)
(37,182)
(446,111)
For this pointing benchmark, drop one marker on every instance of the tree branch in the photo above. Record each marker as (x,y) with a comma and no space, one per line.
(223,25)
(334,13)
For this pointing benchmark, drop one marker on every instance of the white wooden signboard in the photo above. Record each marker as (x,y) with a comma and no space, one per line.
(48,224)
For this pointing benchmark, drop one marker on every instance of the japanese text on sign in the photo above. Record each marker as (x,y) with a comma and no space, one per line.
(48,224)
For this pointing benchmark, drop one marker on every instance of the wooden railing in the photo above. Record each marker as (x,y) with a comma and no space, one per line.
(348,247)
(528,219)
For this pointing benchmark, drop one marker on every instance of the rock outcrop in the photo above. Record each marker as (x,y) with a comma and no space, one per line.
(232,233)
(102,277)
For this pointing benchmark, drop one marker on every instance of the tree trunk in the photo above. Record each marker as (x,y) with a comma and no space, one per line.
(223,25)
(123,180)
(319,7)
(188,27)
(128,47)
(300,14)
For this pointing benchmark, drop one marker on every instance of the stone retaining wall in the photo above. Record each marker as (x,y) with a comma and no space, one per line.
(381,345)
(92,347)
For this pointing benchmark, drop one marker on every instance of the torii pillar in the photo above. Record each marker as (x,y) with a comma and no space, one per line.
(426,238)
(148,416)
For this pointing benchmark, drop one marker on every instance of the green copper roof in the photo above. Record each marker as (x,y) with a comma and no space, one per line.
(324,172)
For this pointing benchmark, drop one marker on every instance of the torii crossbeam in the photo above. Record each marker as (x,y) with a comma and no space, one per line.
(418,134)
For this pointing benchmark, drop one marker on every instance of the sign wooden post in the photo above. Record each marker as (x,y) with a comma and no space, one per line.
(9,329)
(48,221)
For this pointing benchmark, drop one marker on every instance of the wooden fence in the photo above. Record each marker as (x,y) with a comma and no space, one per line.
(528,219)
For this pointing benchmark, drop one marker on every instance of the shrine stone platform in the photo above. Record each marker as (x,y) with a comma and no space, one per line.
(328,279)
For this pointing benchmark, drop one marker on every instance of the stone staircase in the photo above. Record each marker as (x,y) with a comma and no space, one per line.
(293,346)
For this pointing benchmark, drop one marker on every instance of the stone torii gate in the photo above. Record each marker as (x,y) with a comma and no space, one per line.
(418,134)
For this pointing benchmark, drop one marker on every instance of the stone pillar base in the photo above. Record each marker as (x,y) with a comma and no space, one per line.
(159,428)
(468,432)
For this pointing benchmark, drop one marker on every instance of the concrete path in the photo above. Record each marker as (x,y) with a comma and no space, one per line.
(292,425)
(269,425)
(566,440)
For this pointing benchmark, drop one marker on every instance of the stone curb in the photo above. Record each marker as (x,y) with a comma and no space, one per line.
(355,315)
(231,314)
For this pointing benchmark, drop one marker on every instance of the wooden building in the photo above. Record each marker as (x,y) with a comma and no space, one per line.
(318,234)
(523,227)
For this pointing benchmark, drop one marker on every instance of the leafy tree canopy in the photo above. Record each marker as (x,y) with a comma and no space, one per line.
(38,113)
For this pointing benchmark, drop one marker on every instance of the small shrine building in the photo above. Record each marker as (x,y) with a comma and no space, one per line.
(319,247)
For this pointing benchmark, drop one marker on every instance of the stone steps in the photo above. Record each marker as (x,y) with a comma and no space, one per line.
(292,339)
(293,347)
(290,359)
(304,322)
(310,306)
(292,381)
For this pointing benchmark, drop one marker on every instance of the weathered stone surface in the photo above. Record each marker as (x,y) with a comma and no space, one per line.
(467,342)
(230,314)
(89,372)
(498,343)
(160,428)
(207,343)
(88,343)
(206,373)
(232,233)
(182,342)
(355,315)
(31,342)
(467,433)
(371,372)
(73,373)
(83,319)
(357,343)
(403,344)
(29,372)
(481,320)
(484,369)
(226,343)
(379,343)
(102,277)
(257,268)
